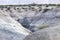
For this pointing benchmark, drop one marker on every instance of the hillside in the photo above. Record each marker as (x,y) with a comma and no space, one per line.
(11,29)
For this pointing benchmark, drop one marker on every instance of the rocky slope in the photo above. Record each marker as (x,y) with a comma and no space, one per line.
(11,29)
(51,33)
(13,19)
(34,17)
(47,19)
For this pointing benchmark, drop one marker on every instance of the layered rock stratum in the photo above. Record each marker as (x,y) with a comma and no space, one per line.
(33,17)
(16,22)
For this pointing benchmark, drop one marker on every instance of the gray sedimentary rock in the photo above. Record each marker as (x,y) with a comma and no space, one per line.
(11,29)
(52,33)
(9,35)
(49,18)
(35,20)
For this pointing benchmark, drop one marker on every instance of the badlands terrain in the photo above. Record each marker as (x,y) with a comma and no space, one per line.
(30,22)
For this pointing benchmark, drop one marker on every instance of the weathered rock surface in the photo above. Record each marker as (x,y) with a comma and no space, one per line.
(52,33)
(34,18)
(11,29)
(48,19)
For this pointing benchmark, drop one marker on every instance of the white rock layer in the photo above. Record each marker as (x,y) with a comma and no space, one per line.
(11,29)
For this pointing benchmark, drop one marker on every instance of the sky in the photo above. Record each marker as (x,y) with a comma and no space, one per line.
(3,2)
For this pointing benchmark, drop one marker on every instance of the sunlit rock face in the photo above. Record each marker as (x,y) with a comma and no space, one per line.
(52,33)
(8,35)
(11,29)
